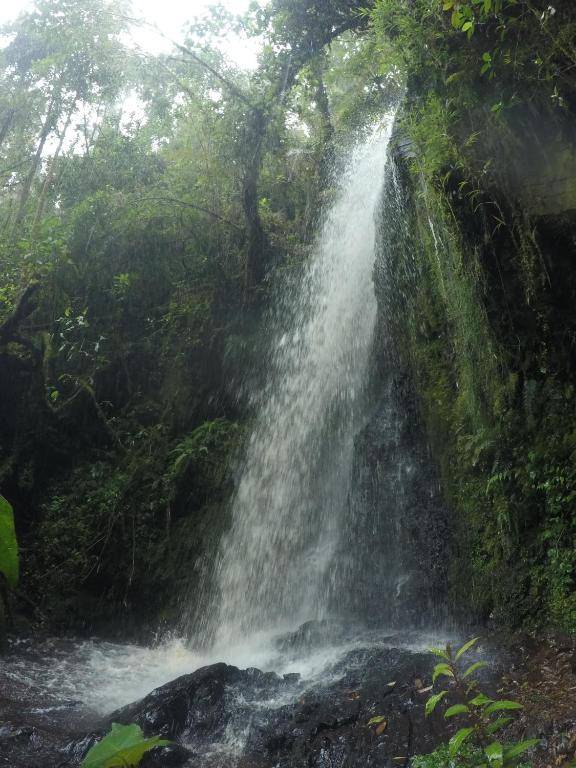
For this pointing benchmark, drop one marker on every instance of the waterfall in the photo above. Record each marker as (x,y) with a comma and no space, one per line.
(277,565)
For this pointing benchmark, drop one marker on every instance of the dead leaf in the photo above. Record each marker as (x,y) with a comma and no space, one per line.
(381,728)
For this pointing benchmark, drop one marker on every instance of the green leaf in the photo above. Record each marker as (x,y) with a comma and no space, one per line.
(376,720)
(466,26)
(495,754)
(439,652)
(520,748)
(124,747)
(498,706)
(473,667)
(8,543)
(466,647)
(481,700)
(441,669)
(433,701)
(497,724)
(457,740)
(456,709)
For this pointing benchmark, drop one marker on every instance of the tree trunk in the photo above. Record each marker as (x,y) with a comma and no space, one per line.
(256,246)
(27,184)
(50,172)
(6,125)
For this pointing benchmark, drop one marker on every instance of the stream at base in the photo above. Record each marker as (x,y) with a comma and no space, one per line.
(54,691)
(96,677)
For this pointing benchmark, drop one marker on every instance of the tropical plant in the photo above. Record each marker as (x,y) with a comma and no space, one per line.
(483,715)
(8,543)
(123,747)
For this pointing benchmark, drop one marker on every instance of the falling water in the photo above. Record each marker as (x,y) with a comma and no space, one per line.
(337,511)
(277,563)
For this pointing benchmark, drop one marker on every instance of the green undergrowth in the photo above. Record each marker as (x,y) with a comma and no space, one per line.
(118,535)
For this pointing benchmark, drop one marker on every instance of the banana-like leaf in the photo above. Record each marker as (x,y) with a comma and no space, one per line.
(8,543)
(123,747)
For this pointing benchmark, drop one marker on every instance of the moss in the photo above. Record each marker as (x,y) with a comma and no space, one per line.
(494,387)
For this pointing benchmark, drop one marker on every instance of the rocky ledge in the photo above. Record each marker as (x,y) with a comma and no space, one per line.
(221,715)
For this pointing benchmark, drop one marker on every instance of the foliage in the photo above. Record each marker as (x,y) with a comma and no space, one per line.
(123,747)
(486,313)
(483,717)
(8,543)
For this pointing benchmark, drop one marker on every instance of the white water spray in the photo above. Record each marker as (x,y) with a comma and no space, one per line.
(277,564)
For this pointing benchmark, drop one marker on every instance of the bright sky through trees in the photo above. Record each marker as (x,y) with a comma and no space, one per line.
(171,17)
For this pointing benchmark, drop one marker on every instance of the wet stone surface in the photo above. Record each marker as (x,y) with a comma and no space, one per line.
(220,715)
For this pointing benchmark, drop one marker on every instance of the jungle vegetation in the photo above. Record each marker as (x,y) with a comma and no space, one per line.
(151,205)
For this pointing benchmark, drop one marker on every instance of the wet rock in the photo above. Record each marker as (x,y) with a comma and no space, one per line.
(167,757)
(249,718)
(223,716)
(197,708)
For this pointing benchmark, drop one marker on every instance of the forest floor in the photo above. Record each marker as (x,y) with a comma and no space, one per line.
(543,679)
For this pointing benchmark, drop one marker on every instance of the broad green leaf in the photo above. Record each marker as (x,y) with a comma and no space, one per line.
(441,669)
(433,701)
(497,724)
(123,747)
(499,706)
(457,740)
(520,748)
(8,543)
(456,709)
(481,700)
(466,647)
(495,754)
(471,669)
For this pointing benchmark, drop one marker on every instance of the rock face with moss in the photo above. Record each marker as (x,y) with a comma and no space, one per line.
(483,301)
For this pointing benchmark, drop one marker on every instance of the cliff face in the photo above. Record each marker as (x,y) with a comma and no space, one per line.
(482,307)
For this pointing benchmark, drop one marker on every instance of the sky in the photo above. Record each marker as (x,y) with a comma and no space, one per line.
(170,16)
